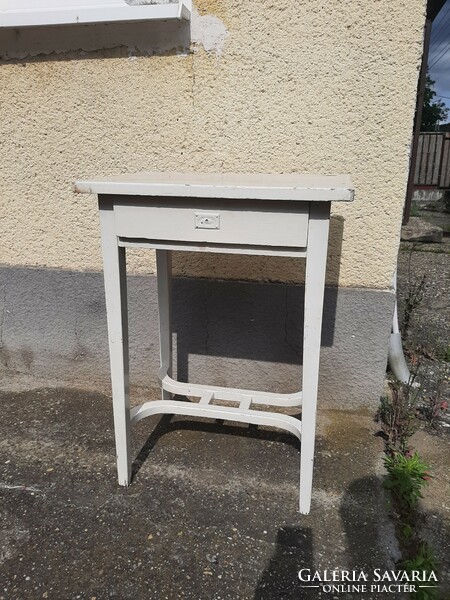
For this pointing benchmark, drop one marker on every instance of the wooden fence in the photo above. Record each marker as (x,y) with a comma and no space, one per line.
(433,161)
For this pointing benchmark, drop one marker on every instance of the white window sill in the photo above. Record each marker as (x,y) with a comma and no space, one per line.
(16,13)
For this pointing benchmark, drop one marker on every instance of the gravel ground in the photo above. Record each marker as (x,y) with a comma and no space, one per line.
(427,340)
(427,346)
(212,512)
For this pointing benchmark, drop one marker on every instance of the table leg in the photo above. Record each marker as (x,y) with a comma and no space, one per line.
(116,309)
(316,258)
(164,275)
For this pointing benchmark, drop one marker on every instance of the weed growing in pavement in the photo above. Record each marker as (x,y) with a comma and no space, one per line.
(434,407)
(414,212)
(445,354)
(407,475)
(423,562)
(413,300)
(414,296)
(398,414)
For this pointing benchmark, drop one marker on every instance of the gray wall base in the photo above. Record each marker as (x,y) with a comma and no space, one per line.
(240,334)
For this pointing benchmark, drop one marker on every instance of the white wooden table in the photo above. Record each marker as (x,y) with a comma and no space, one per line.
(272,215)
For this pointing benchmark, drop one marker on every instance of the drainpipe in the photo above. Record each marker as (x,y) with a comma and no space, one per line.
(396,358)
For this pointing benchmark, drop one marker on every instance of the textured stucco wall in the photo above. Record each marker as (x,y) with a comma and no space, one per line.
(275,87)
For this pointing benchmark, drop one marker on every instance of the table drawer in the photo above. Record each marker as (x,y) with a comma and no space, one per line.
(261,223)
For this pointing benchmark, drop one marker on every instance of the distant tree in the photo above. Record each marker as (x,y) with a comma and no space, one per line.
(433,110)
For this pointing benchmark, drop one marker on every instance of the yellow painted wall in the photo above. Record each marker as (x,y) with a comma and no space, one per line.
(303,86)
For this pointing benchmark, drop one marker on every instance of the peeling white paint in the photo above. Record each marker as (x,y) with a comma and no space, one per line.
(208,31)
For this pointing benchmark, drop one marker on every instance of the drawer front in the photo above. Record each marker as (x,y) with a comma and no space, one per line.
(261,223)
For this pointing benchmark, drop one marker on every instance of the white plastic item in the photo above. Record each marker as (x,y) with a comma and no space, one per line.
(397,360)
(396,357)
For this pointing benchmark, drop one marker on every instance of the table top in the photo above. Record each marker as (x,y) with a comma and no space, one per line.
(293,186)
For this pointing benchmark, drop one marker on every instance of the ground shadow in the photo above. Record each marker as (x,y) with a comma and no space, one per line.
(361,513)
(167,425)
(364,515)
(279,581)
(435,530)
(250,321)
